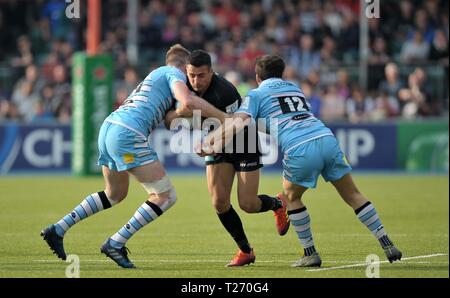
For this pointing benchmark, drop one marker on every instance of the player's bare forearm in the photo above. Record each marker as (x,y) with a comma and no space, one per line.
(170,116)
(225,133)
(208,110)
(183,111)
(192,102)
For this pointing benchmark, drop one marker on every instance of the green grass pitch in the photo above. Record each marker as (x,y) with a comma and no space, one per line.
(189,240)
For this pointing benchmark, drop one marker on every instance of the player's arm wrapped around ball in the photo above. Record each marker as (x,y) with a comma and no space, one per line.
(217,140)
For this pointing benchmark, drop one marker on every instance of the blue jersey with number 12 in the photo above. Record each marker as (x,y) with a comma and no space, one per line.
(283,102)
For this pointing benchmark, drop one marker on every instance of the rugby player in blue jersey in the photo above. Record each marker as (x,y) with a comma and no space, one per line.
(125,149)
(309,149)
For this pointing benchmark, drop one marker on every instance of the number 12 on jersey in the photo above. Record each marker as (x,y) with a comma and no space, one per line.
(290,104)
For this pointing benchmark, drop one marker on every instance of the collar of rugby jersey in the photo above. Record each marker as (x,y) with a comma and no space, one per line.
(268,81)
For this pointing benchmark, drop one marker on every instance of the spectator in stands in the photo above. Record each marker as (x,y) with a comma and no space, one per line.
(33,77)
(333,105)
(41,113)
(422,25)
(378,53)
(26,92)
(349,37)
(61,100)
(8,110)
(54,13)
(432,106)
(46,100)
(416,50)
(170,31)
(207,16)
(130,80)
(229,11)
(24,100)
(359,107)
(342,83)
(308,15)
(328,51)
(313,97)
(433,11)
(198,30)
(392,85)
(415,98)
(25,56)
(257,16)
(273,30)
(406,18)
(386,106)
(439,48)
(316,37)
(149,32)
(48,65)
(304,58)
(332,17)
(291,75)
(64,114)
(246,62)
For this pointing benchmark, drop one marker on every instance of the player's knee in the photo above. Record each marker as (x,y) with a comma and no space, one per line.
(220,203)
(169,201)
(248,206)
(116,194)
(162,186)
(292,197)
(289,196)
(355,199)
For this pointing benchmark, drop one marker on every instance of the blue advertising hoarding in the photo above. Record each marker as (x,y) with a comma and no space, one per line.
(48,148)
(34,148)
(368,146)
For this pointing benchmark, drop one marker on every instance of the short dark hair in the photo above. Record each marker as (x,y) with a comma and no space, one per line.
(269,66)
(199,58)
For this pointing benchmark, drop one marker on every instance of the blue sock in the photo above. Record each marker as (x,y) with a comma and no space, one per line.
(301,222)
(142,217)
(92,204)
(369,217)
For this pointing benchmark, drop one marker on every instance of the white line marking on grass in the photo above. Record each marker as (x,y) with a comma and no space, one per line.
(186,261)
(357,264)
(198,261)
(156,261)
(365,264)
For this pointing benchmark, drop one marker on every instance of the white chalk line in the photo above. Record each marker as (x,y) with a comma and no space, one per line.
(356,263)
(381,262)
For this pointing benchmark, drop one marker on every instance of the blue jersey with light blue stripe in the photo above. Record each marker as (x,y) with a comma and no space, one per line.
(148,104)
(284,102)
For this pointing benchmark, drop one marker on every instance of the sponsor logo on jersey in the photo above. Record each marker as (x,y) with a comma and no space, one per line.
(232,107)
(301,117)
(246,165)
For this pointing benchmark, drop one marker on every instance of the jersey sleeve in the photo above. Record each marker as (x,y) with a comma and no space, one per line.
(175,76)
(250,105)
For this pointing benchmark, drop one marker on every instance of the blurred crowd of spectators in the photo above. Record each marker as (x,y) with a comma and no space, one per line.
(318,40)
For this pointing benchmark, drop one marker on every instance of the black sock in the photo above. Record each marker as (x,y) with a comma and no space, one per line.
(105,202)
(232,223)
(269,203)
